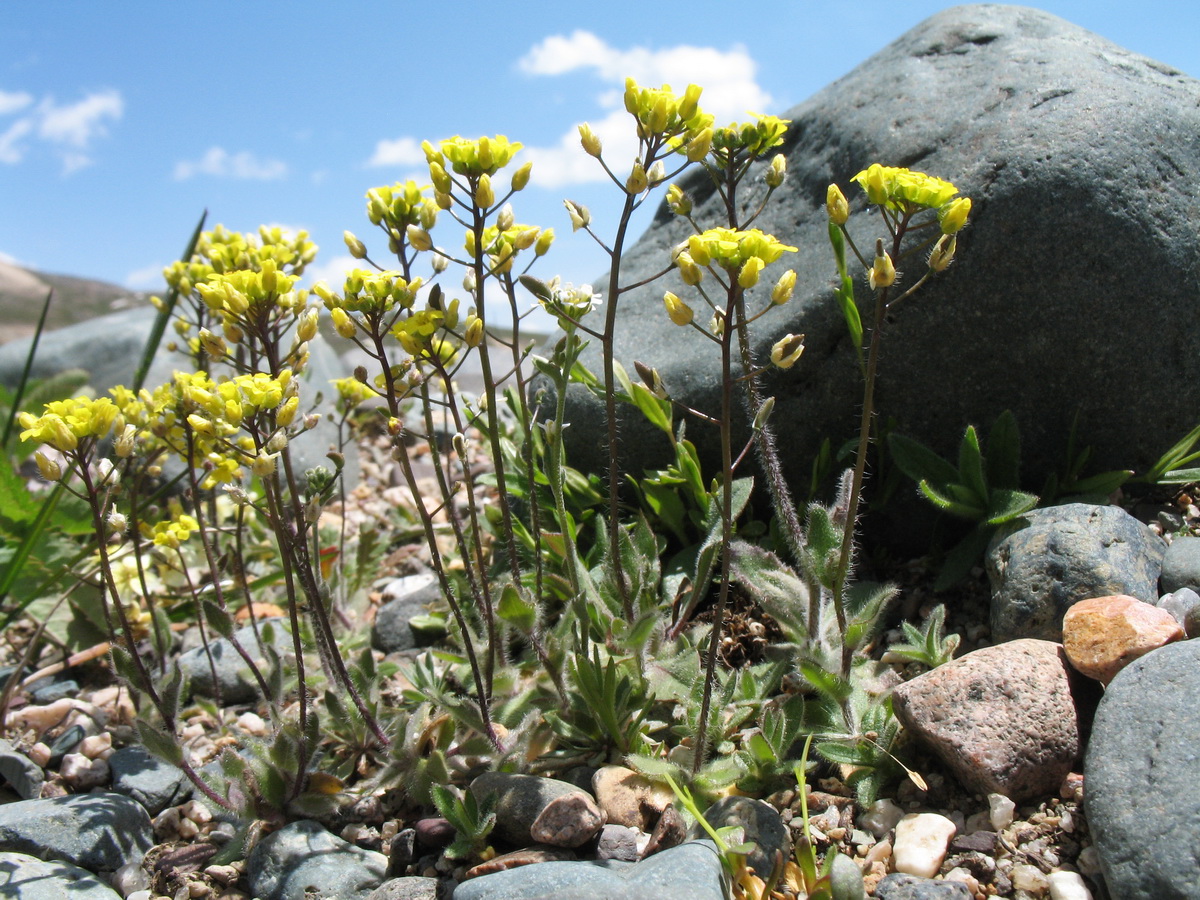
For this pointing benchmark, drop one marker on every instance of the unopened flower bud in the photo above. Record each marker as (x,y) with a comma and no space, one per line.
(117,523)
(394,426)
(123,445)
(836,205)
(342,323)
(440,177)
(419,238)
(484,195)
(953,216)
(48,468)
(883,273)
(657,173)
(521,177)
(943,252)
(287,412)
(356,247)
(680,312)
(526,239)
(716,325)
(764,412)
(306,330)
(748,276)
(441,262)
(278,441)
(691,273)
(678,200)
(473,336)
(637,180)
(698,147)
(545,239)
(775,175)
(504,219)
(652,379)
(787,350)
(591,143)
(263,464)
(782,292)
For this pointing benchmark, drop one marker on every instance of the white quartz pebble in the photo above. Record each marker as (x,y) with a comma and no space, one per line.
(1068,886)
(921,842)
(1002,810)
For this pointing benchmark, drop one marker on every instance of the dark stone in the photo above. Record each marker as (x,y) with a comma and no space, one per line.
(1181,565)
(303,860)
(898,886)
(22,774)
(977,841)
(1049,559)
(403,599)
(237,685)
(411,887)
(46,693)
(1141,773)
(98,832)
(402,852)
(761,824)
(1080,157)
(25,877)
(520,799)
(152,782)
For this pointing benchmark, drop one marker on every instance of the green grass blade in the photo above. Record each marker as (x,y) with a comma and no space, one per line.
(24,382)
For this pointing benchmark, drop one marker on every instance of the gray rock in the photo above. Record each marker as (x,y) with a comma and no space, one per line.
(23,775)
(846,879)
(909,887)
(1181,565)
(1019,109)
(1141,773)
(761,824)
(411,887)
(24,877)
(1003,718)
(303,861)
(1047,560)
(618,842)
(691,870)
(110,348)
(520,800)
(1184,605)
(99,832)
(403,598)
(233,676)
(43,693)
(152,782)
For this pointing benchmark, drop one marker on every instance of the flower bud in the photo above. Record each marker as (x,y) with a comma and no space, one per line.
(356,247)
(473,336)
(440,177)
(657,173)
(748,276)
(637,180)
(306,330)
(680,312)
(775,175)
(484,195)
(48,468)
(311,420)
(342,323)
(427,216)
(787,350)
(526,239)
(117,523)
(836,205)
(545,239)
(521,177)
(691,273)
(212,344)
(764,412)
(287,412)
(419,238)
(278,441)
(698,146)
(651,379)
(263,464)
(504,219)
(690,102)
(953,216)
(591,143)
(678,201)
(443,199)
(716,325)
(883,272)
(943,252)
(782,292)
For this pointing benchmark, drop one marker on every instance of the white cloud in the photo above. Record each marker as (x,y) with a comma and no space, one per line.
(404,151)
(147,278)
(11,102)
(77,124)
(69,130)
(220,163)
(727,76)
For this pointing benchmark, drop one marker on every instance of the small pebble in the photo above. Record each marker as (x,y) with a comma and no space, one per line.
(921,842)
(97,746)
(83,774)
(1088,861)
(1030,879)
(196,811)
(131,878)
(963,876)
(880,817)
(1001,811)
(1068,886)
(252,723)
(39,754)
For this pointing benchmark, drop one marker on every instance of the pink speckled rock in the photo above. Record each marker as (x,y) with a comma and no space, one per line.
(1003,718)
(1103,635)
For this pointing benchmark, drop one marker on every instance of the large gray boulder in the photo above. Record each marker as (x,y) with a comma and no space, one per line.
(1075,285)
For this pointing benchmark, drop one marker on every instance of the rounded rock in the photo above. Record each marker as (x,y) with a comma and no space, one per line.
(921,843)
(1181,565)
(1102,635)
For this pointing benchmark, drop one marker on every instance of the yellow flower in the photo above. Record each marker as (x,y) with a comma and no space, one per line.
(67,422)
(782,292)
(749,139)
(591,143)
(482,156)
(678,201)
(898,188)
(953,215)
(661,111)
(883,273)
(836,205)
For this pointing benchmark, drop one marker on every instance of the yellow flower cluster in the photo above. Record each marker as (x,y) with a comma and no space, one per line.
(502,245)
(65,423)
(906,190)
(173,533)
(480,156)
(374,294)
(749,139)
(660,111)
(220,251)
(741,253)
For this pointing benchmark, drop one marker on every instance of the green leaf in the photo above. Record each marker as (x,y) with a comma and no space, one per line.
(918,462)
(948,503)
(963,557)
(828,684)
(1004,506)
(845,298)
(161,744)
(515,610)
(218,618)
(774,586)
(1004,452)
(970,464)
(656,410)
(1173,458)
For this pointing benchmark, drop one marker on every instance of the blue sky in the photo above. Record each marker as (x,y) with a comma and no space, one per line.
(120,122)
